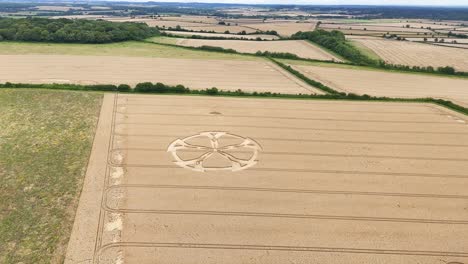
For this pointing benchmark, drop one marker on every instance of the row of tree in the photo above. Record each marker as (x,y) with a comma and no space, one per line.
(72,31)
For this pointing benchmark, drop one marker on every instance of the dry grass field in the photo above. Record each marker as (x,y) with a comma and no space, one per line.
(259,76)
(380,83)
(284,28)
(273,182)
(300,48)
(45,142)
(220,35)
(122,49)
(416,54)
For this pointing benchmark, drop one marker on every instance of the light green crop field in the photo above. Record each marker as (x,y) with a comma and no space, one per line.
(45,142)
(365,50)
(130,48)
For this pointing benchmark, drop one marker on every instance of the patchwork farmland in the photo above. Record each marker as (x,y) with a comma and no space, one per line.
(157,133)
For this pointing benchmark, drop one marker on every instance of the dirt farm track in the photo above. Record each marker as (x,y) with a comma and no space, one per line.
(183,179)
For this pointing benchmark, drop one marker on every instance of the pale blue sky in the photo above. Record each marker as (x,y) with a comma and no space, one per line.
(336,2)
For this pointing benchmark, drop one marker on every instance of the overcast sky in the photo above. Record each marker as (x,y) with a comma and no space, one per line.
(336,2)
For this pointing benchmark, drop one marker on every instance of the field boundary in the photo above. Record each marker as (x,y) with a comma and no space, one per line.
(83,237)
(290,56)
(159,88)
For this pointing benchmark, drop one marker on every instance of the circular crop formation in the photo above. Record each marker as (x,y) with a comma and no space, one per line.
(215,151)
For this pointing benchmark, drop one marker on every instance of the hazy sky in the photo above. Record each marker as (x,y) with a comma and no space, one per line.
(336,2)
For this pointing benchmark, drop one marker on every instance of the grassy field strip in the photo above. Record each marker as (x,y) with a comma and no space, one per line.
(45,141)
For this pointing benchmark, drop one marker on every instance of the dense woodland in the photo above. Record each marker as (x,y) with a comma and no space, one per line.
(72,31)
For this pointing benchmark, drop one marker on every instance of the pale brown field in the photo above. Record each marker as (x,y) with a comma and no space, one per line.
(370,33)
(221,28)
(260,75)
(391,84)
(417,54)
(461,46)
(196,19)
(377,27)
(301,48)
(233,36)
(156,22)
(447,40)
(58,8)
(284,28)
(332,182)
(416,25)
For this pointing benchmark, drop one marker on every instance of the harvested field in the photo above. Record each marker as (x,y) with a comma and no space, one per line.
(372,33)
(259,76)
(156,22)
(446,40)
(304,181)
(380,83)
(415,25)
(221,28)
(58,8)
(45,142)
(195,19)
(300,48)
(218,35)
(284,28)
(416,54)
(373,28)
(460,46)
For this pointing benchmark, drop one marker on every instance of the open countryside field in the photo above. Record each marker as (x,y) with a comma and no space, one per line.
(196,19)
(122,49)
(373,28)
(300,48)
(416,54)
(392,84)
(337,182)
(412,24)
(284,28)
(219,35)
(446,40)
(45,142)
(157,22)
(259,76)
(221,28)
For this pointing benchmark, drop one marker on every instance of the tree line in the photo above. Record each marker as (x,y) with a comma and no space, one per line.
(335,41)
(72,31)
